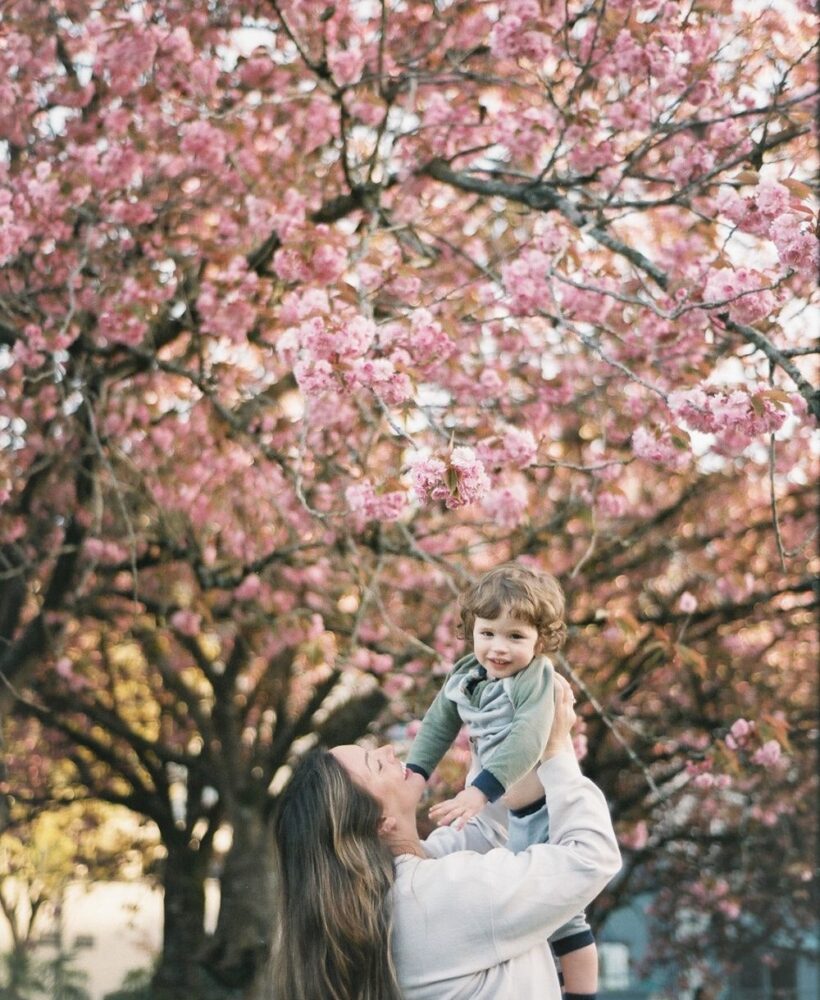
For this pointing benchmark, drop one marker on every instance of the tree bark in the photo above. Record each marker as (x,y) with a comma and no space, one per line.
(180,975)
(238,950)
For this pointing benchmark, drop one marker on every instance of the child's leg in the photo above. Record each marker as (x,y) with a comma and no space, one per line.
(528,825)
(574,946)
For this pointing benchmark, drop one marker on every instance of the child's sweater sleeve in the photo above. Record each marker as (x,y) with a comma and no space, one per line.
(439,727)
(533,695)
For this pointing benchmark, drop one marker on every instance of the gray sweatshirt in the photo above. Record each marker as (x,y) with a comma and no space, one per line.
(471,922)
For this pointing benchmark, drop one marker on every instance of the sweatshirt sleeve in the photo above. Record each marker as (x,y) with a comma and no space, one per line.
(533,893)
(512,902)
(484,832)
(533,695)
(439,727)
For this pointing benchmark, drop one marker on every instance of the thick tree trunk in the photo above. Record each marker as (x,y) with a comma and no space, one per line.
(180,974)
(238,950)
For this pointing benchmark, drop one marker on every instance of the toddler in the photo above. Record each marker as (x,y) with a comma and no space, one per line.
(503,691)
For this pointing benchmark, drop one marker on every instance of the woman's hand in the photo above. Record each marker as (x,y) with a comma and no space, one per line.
(560,738)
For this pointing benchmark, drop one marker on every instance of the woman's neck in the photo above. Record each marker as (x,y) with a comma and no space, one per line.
(405,841)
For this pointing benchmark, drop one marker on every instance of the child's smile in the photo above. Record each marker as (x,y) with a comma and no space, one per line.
(504,645)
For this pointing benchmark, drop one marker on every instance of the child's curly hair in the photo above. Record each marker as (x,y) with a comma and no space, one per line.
(511,589)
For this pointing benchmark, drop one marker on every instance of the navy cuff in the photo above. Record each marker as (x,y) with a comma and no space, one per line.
(563,946)
(489,784)
(418,770)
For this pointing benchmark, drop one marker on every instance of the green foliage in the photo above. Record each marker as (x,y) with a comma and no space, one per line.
(22,976)
(136,985)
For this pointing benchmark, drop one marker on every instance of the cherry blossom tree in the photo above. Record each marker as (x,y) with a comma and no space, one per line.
(310,311)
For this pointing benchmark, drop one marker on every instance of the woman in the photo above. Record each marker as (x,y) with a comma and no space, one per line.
(369,911)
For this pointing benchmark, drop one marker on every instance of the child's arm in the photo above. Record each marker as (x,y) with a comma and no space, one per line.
(439,727)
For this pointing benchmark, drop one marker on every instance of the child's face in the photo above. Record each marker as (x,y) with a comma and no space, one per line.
(504,645)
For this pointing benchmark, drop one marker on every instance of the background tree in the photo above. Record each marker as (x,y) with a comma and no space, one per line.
(308,313)
(43,852)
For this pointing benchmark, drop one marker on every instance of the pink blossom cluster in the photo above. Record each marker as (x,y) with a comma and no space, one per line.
(658,448)
(205,146)
(708,780)
(687,602)
(107,552)
(290,214)
(506,505)
(590,149)
(395,685)
(797,245)
(768,755)
(525,134)
(426,341)
(363,500)
(611,504)
(380,375)
(692,159)
(773,212)
(226,301)
(315,377)
(738,415)
(517,34)
(421,344)
(739,733)
(337,340)
(514,446)
(590,304)
(186,622)
(739,291)
(14,229)
(128,57)
(635,839)
(321,122)
(526,282)
(250,588)
(370,661)
(346,65)
(458,481)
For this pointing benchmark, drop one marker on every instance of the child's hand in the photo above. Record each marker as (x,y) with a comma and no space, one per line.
(457,811)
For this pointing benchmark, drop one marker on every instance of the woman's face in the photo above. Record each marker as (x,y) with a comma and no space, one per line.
(382,774)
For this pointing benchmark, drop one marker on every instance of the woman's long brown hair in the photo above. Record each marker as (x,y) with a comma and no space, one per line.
(333,885)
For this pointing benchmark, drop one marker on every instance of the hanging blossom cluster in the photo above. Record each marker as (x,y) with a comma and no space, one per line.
(330,354)
(368,505)
(741,292)
(526,281)
(767,755)
(458,480)
(773,212)
(423,343)
(519,33)
(736,416)
(514,446)
(507,505)
(660,449)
